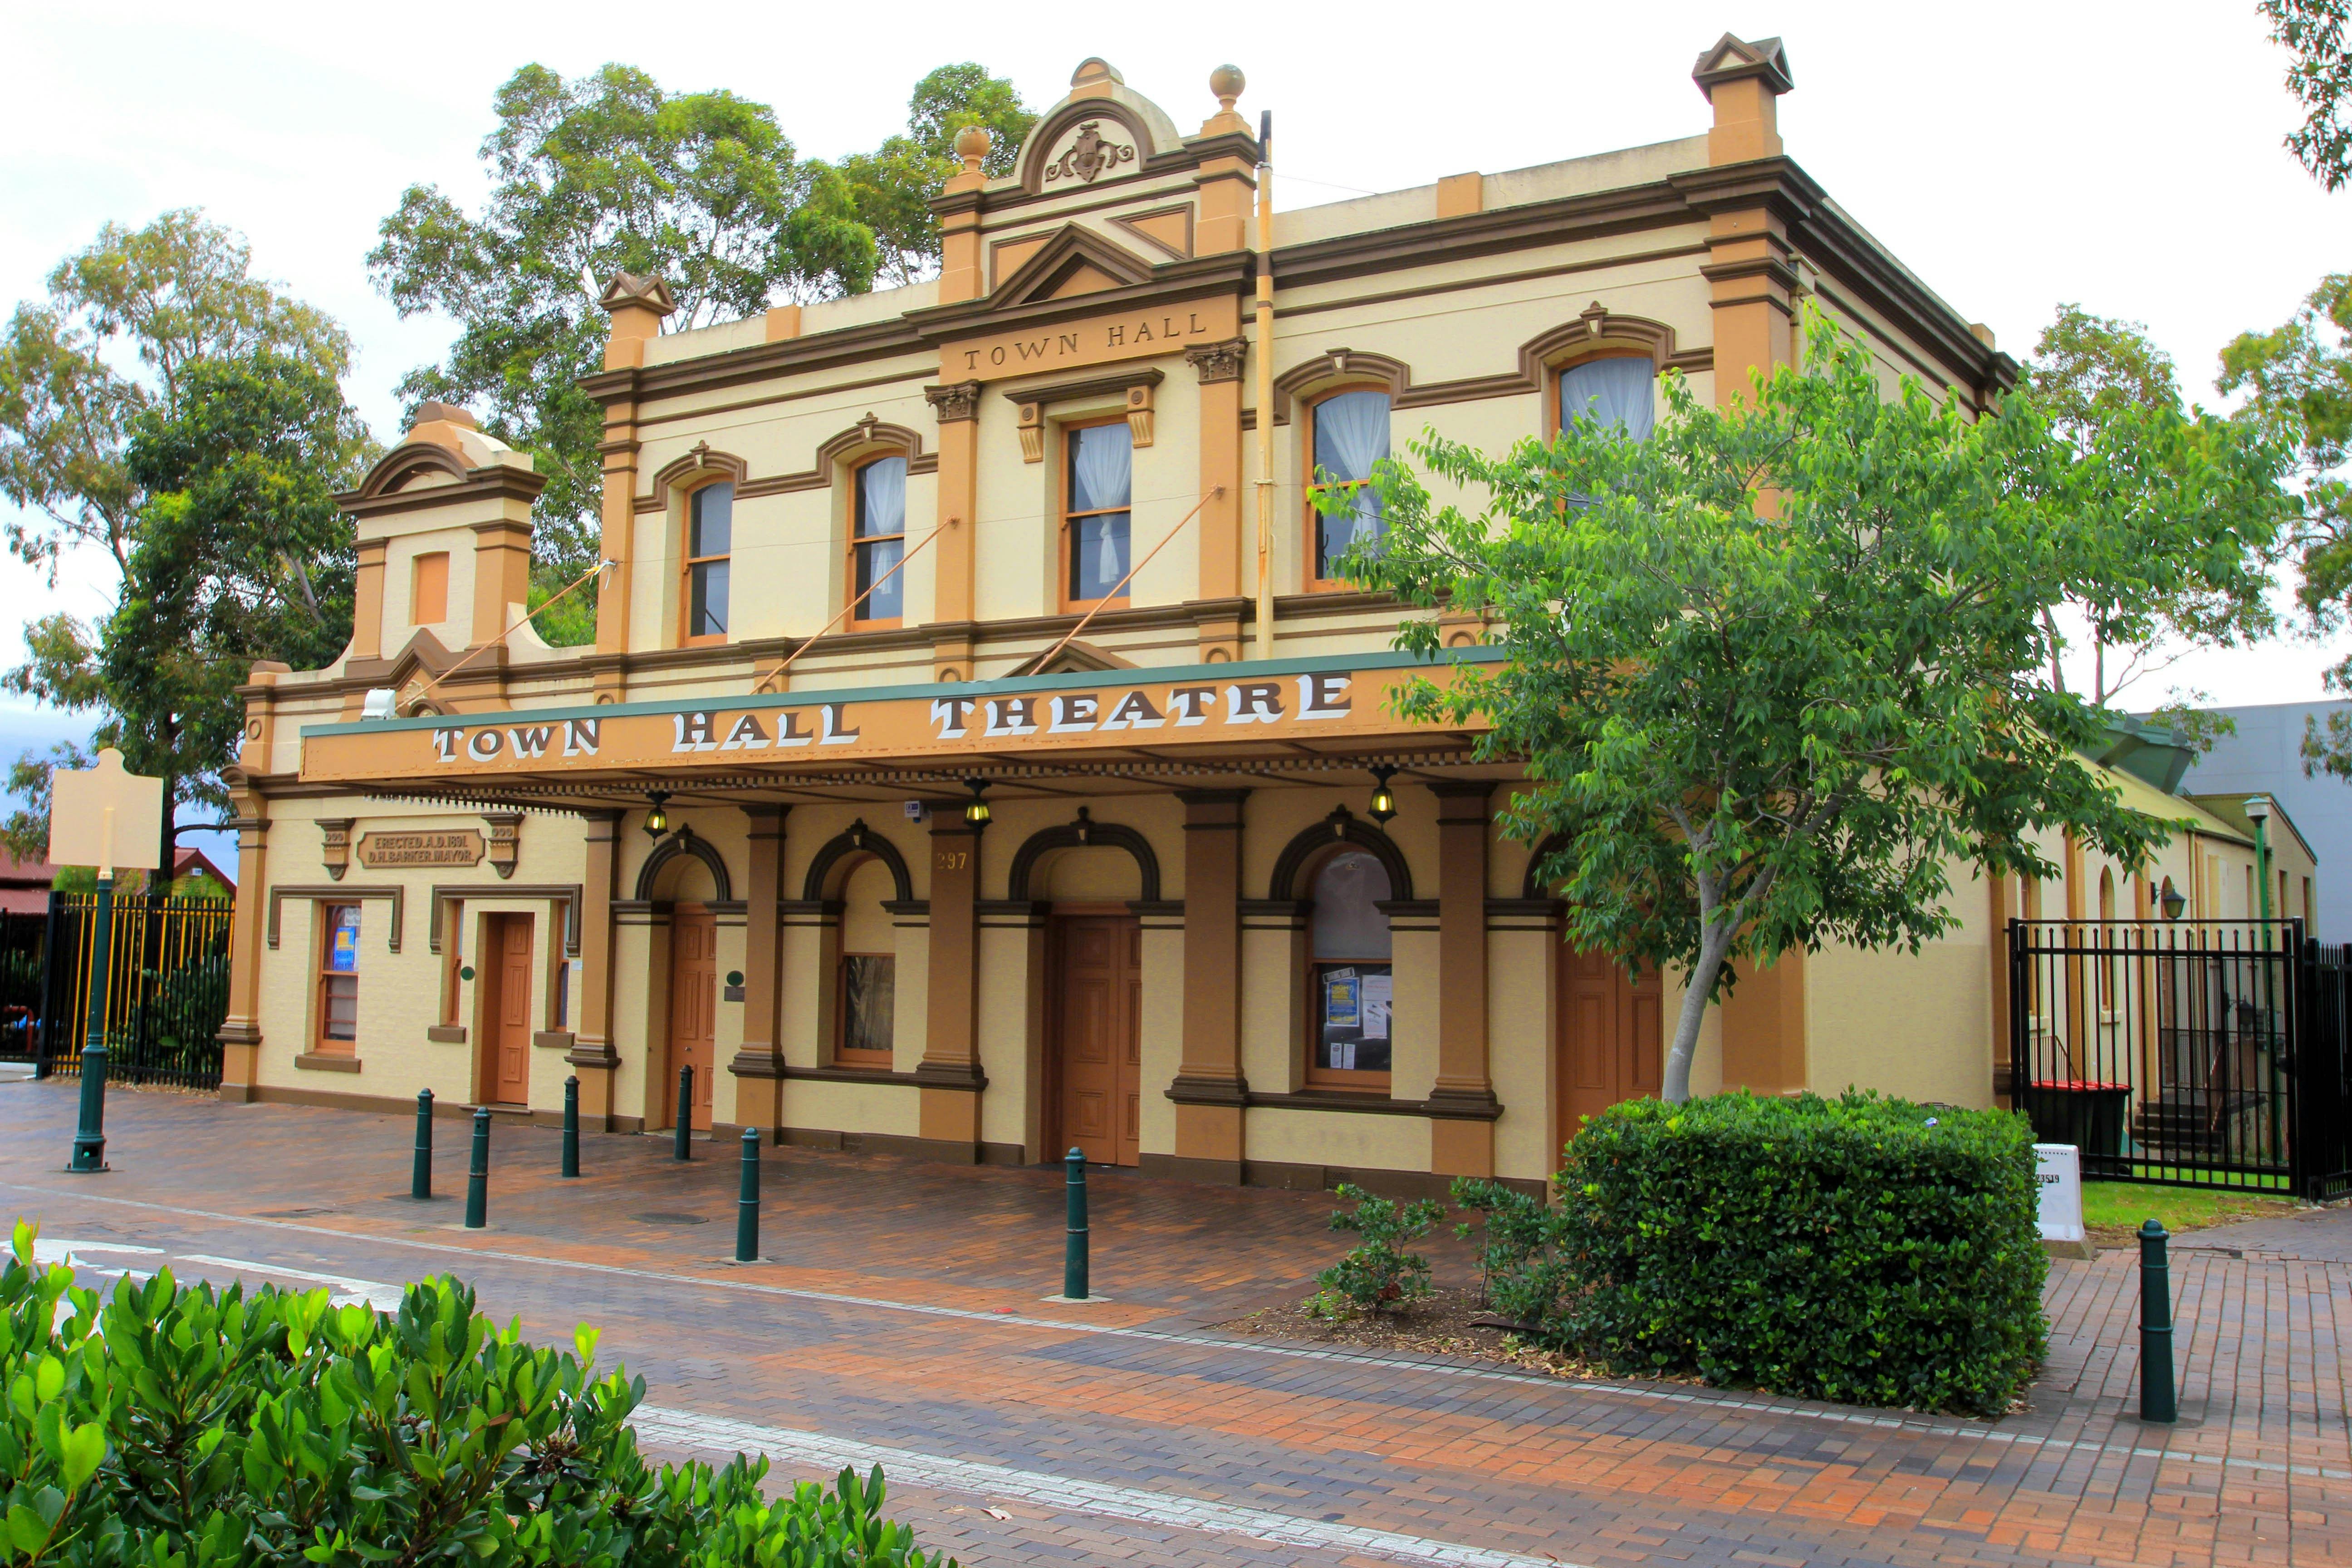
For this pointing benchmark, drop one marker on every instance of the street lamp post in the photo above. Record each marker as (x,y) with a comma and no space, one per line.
(108,818)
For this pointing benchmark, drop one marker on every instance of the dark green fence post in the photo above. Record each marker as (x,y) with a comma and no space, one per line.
(571,1126)
(1074,1249)
(2157,1399)
(420,1168)
(89,1140)
(477,1179)
(747,1201)
(683,1148)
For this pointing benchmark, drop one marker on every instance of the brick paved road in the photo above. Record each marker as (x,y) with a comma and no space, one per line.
(902,1319)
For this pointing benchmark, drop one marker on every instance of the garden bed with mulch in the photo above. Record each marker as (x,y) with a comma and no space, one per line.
(1451,1323)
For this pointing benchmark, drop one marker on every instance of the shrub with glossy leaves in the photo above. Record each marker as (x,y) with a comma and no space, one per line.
(171,1427)
(1378,1274)
(1865,1250)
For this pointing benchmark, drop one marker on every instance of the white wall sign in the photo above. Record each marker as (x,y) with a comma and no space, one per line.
(2058,1174)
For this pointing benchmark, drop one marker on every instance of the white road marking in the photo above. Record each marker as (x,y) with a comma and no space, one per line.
(1923,1425)
(827,1454)
(61,1250)
(382,1297)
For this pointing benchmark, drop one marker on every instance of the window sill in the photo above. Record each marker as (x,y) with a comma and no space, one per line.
(445,1034)
(880,624)
(326,1061)
(553,1039)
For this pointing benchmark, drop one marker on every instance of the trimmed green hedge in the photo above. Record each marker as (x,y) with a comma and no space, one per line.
(173,1427)
(1863,1250)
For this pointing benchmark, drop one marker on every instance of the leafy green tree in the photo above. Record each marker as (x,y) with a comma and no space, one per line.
(1755,727)
(2087,373)
(894,183)
(606,174)
(163,299)
(2321,80)
(240,553)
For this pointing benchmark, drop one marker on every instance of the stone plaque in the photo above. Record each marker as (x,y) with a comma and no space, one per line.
(433,846)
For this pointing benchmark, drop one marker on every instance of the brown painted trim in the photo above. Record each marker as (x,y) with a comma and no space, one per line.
(553,1039)
(445,1034)
(1090,387)
(924,372)
(1341,826)
(322,1062)
(338,893)
(1225,1091)
(566,894)
(867,432)
(1501,280)
(1084,833)
(838,1074)
(493,483)
(1070,248)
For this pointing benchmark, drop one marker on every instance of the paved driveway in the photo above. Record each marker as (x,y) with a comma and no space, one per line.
(901,1318)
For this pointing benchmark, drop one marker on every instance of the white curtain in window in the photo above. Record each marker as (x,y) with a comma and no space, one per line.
(885,510)
(1351,433)
(1619,392)
(1102,468)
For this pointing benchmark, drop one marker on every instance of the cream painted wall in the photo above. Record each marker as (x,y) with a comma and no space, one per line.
(1328,1138)
(1522,971)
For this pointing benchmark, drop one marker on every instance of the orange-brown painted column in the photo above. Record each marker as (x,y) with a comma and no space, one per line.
(1462,1104)
(591,1055)
(758,1067)
(240,1030)
(949,1071)
(1209,1089)
(1219,523)
(637,307)
(953,562)
(367,601)
(502,573)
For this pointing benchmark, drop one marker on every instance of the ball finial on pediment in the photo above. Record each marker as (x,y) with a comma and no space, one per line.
(972,145)
(1227,82)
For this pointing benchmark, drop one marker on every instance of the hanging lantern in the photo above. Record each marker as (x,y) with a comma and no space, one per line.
(1383,798)
(657,818)
(976,811)
(2172,901)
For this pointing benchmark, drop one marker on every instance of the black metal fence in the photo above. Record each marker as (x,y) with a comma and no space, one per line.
(23,945)
(166,993)
(2199,1053)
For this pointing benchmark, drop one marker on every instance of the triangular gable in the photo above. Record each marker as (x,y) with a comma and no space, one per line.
(1071,659)
(1073,256)
(1169,229)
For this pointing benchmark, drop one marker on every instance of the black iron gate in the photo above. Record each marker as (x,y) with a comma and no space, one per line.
(166,993)
(2201,1053)
(24,945)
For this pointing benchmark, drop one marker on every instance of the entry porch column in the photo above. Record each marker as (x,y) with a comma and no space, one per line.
(1209,1090)
(1461,1107)
(758,1067)
(949,1077)
(240,1030)
(591,1056)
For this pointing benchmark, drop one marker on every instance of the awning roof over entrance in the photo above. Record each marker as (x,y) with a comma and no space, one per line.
(1178,726)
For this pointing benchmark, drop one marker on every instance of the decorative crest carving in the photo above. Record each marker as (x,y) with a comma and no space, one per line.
(1088,156)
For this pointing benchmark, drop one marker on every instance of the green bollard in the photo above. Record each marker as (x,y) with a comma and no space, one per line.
(684,1147)
(747,1201)
(477,1179)
(420,1168)
(2157,1399)
(1074,1286)
(572,1127)
(89,1139)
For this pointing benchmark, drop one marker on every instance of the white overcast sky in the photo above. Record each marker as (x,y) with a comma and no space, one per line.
(2015,155)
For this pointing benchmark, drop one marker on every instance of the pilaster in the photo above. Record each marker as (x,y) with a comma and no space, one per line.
(758,1067)
(949,1071)
(1209,1088)
(1462,1100)
(240,1030)
(591,1055)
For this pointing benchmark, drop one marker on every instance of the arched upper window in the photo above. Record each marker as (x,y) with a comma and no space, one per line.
(879,542)
(1621,390)
(1351,986)
(710,539)
(1350,433)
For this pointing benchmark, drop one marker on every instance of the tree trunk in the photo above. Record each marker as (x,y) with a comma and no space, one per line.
(1699,987)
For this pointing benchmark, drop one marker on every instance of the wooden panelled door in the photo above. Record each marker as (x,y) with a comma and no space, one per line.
(1100,1036)
(1611,1047)
(693,1008)
(506,1010)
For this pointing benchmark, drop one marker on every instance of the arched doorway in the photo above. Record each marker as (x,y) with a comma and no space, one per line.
(686,875)
(1092,873)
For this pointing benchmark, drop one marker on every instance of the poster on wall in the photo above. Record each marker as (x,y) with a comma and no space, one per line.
(1343,1006)
(343,941)
(1380,992)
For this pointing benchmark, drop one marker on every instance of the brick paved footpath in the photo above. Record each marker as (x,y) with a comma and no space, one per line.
(900,1316)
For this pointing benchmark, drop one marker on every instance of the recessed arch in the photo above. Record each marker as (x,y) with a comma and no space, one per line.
(856,839)
(697,467)
(1533,886)
(1084,833)
(686,842)
(1289,881)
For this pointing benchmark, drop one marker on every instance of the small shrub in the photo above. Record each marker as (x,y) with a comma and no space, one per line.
(1377,1274)
(190,1428)
(1520,1270)
(1842,1249)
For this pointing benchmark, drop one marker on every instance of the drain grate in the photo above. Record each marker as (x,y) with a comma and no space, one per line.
(667,1218)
